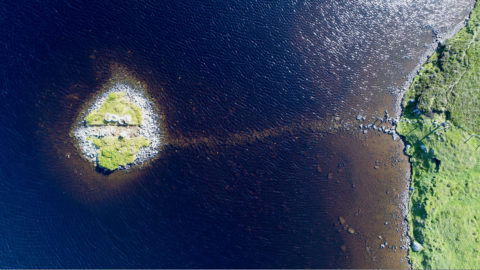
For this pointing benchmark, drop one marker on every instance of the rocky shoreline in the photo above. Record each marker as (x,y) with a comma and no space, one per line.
(150,127)
(424,134)
(400,95)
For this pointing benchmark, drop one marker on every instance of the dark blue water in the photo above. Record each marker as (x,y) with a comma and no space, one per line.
(248,206)
(216,68)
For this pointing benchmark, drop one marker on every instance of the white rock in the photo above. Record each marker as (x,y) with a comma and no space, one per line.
(114,117)
(128,118)
(424,148)
(416,246)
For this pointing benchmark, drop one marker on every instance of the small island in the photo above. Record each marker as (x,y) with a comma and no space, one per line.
(441,128)
(120,129)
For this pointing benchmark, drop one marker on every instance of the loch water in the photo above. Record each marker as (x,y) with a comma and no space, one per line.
(263,166)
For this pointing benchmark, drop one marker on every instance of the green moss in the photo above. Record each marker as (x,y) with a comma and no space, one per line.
(445,203)
(116,103)
(115,151)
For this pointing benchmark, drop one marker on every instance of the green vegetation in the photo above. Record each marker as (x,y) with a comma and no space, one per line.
(118,151)
(441,122)
(116,104)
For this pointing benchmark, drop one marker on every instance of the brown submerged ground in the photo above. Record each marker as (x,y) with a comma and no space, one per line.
(360,180)
(365,197)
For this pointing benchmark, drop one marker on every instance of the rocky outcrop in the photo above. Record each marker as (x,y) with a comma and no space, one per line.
(123,120)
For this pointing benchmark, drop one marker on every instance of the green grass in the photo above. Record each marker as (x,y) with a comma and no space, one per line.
(116,151)
(445,203)
(449,80)
(116,103)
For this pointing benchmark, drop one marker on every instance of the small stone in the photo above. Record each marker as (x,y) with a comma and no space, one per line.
(376,167)
(359,117)
(128,118)
(351,230)
(342,220)
(424,148)
(114,117)
(416,246)
(337,118)
(382,246)
(365,131)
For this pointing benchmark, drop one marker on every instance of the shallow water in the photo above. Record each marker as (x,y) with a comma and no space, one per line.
(255,173)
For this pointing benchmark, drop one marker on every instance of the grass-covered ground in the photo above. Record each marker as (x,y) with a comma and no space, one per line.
(116,104)
(440,124)
(118,150)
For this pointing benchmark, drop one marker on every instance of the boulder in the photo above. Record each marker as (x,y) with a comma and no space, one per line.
(114,117)
(416,246)
(128,119)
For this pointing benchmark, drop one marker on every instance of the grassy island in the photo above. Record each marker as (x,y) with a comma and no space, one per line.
(116,137)
(441,127)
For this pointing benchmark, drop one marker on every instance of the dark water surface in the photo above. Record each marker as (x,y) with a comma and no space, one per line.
(269,76)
